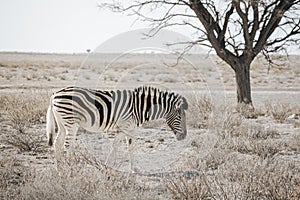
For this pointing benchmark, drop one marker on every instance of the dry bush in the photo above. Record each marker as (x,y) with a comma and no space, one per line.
(254,143)
(252,178)
(279,112)
(200,111)
(81,177)
(24,113)
(268,185)
(215,159)
(262,148)
(182,187)
(240,128)
(25,109)
(29,140)
(238,135)
(13,175)
(250,185)
(240,177)
(247,111)
(232,124)
(258,131)
(294,143)
(245,163)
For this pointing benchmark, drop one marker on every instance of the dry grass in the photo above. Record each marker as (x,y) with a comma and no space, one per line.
(75,178)
(281,112)
(247,162)
(24,113)
(251,139)
(13,175)
(238,179)
(200,110)
(182,187)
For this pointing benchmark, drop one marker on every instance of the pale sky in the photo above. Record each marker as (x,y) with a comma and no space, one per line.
(63,26)
(58,25)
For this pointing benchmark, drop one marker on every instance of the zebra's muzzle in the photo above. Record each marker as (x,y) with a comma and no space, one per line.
(181,136)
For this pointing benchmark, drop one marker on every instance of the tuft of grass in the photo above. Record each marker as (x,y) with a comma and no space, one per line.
(232,124)
(254,140)
(279,112)
(264,149)
(81,176)
(239,177)
(13,175)
(262,179)
(247,111)
(25,113)
(182,187)
(200,109)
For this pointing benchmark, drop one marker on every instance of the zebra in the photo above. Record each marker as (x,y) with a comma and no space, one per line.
(100,110)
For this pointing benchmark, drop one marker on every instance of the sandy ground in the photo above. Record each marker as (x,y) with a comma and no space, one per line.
(154,148)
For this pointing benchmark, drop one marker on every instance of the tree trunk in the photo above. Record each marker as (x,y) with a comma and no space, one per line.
(242,77)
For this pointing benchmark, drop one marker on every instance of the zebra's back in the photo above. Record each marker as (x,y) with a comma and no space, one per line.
(94,110)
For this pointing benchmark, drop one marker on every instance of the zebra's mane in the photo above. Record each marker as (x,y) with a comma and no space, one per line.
(152,90)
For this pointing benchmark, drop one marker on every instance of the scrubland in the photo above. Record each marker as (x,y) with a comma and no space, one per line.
(225,155)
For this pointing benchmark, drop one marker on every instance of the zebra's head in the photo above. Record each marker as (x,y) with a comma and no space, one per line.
(151,104)
(176,117)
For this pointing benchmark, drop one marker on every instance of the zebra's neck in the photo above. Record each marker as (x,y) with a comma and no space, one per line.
(151,104)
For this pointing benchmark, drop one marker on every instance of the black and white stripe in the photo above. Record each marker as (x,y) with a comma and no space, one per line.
(97,110)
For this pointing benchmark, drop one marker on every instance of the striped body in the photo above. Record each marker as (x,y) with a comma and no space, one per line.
(96,110)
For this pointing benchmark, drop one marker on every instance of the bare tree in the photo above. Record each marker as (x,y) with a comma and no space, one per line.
(237,30)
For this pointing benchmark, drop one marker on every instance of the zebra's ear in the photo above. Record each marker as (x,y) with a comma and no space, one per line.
(184,103)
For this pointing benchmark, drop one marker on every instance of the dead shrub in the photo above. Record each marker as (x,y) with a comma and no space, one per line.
(260,132)
(200,110)
(23,109)
(250,139)
(215,159)
(246,110)
(269,180)
(253,131)
(232,124)
(279,112)
(294,143)
(13,174)
(182,187)
(264,148)
(24,113)
(81,177)
(250,177)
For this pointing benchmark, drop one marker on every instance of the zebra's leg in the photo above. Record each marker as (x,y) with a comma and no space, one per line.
(112,155)
(127,129)
(70,138)
(59,141)
(130,153)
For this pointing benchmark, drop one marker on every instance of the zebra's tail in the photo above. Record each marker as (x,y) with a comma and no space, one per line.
(51,125)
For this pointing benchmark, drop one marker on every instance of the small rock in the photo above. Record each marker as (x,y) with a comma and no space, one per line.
(293,116)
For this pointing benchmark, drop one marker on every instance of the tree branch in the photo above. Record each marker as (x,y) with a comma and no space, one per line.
(269,27)
(245,27)
(221,37)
